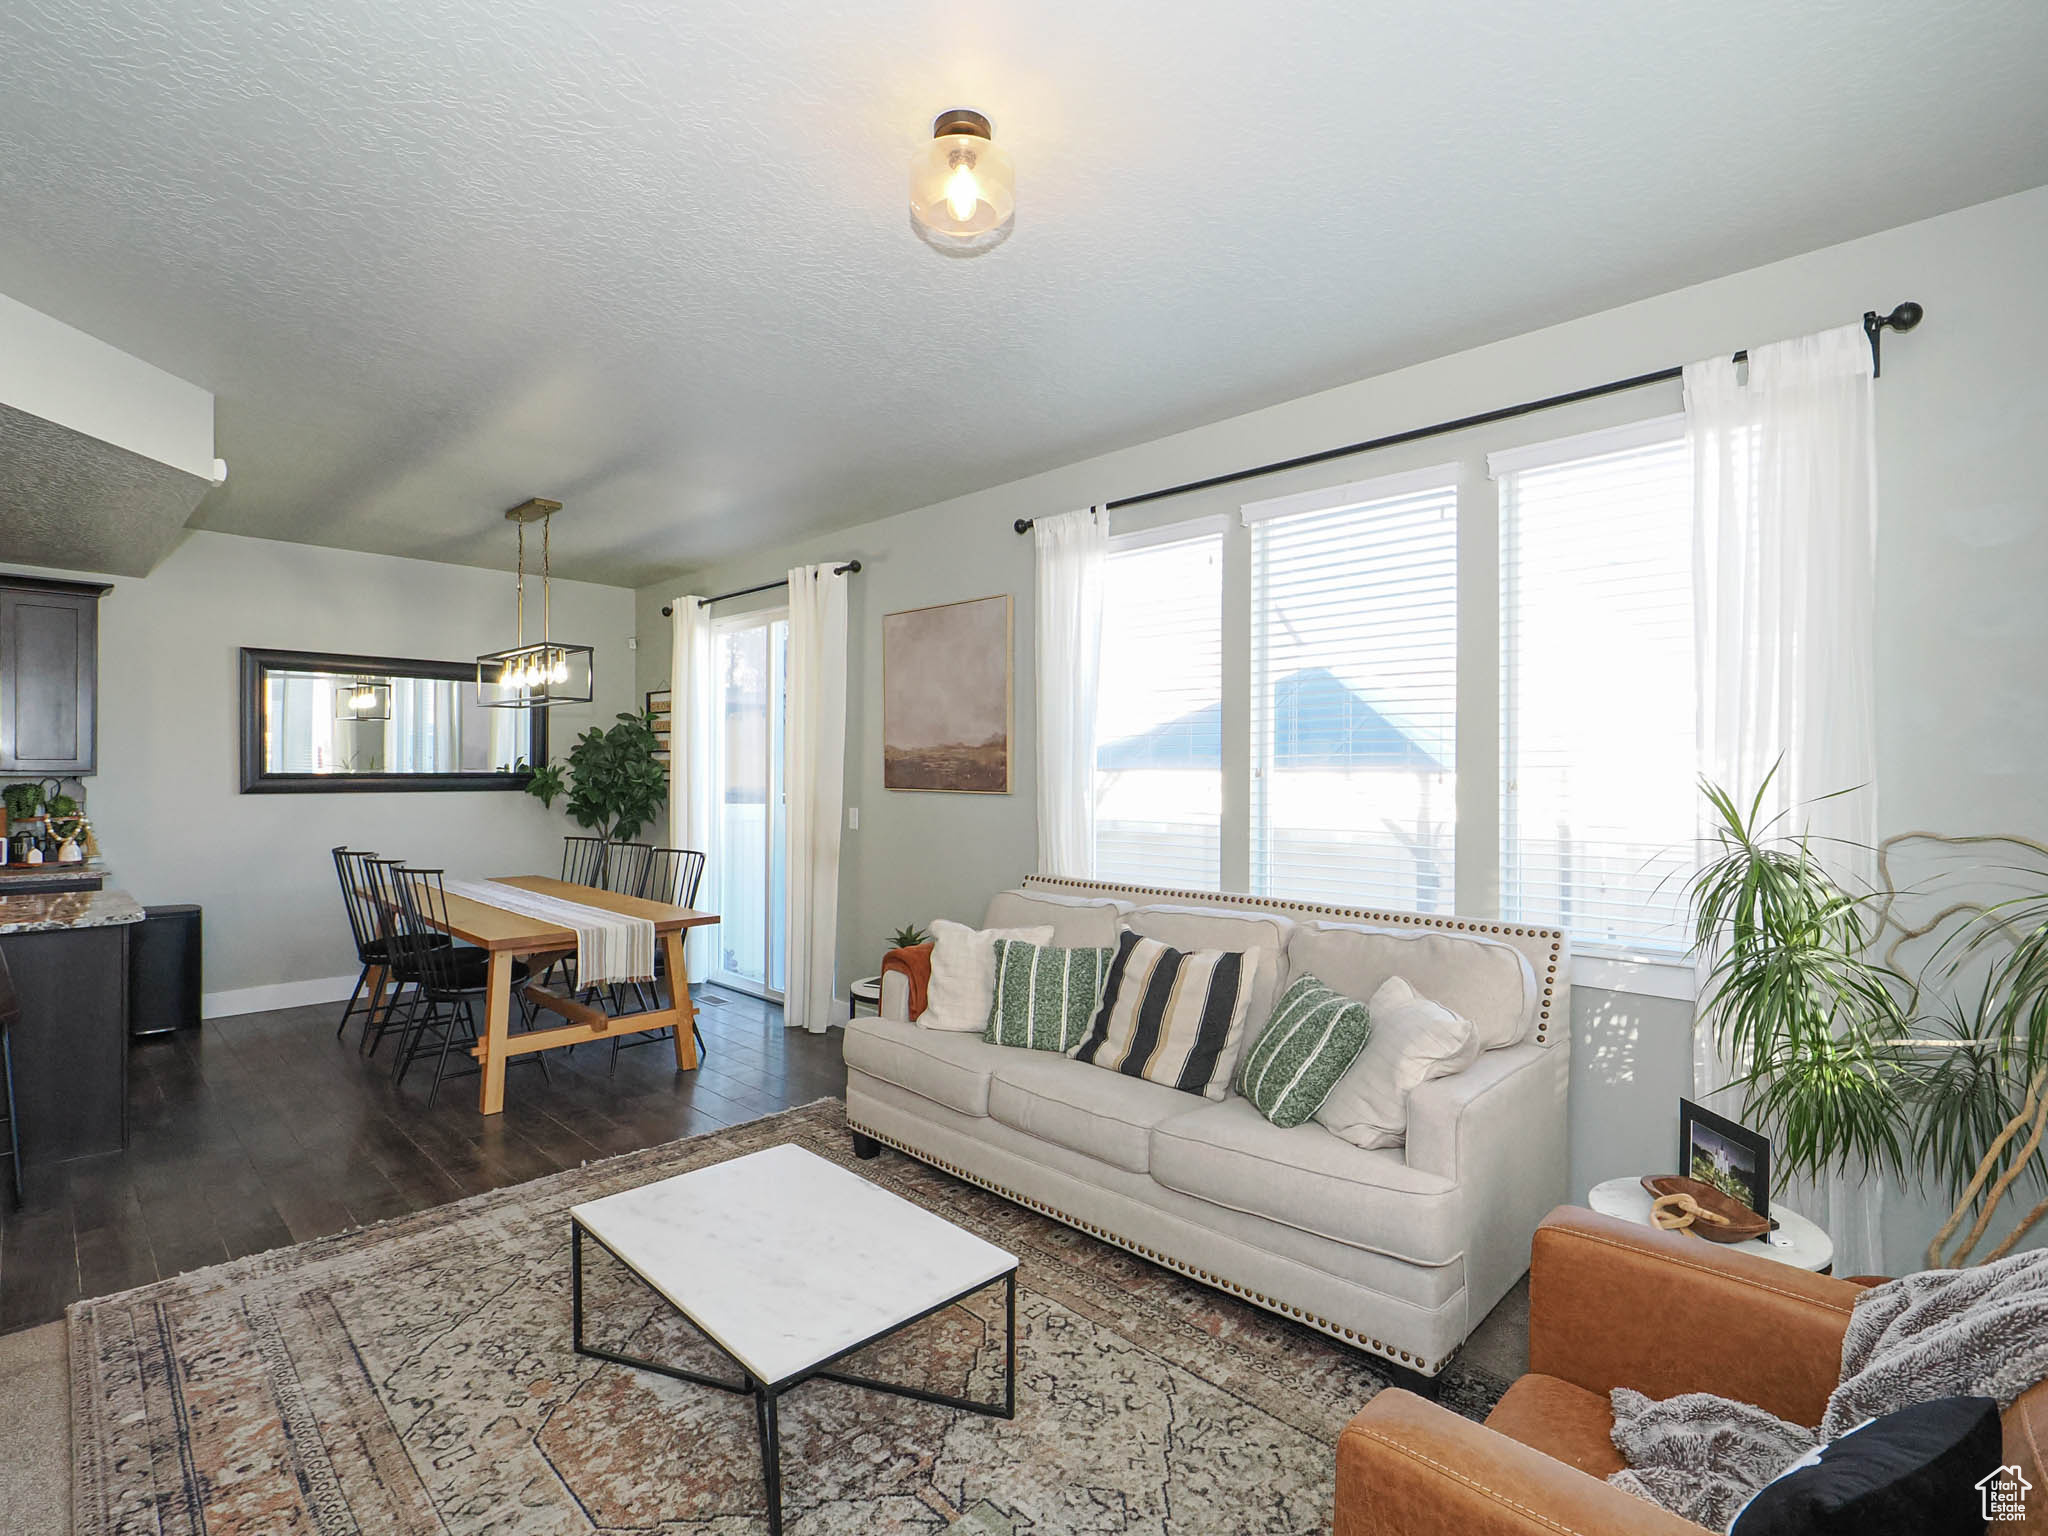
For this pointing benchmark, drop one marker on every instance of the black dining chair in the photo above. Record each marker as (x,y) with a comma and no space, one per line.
(583,860)
(449,980)
(379,879)
(672,876)
(10,1016)
(625,868)
(366,927)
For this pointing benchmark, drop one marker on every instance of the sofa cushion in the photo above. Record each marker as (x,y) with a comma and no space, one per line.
(1306,1048)
(1489,982)
(1304,1177)
(1414,1039)
(1045,997)
(1192,928)
(963,980)
(1173,1018)
(1100,1114)
(1087,922)
(1565,1422)
(936,1064)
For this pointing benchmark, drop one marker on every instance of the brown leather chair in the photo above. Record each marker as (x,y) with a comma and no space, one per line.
(1614,1304)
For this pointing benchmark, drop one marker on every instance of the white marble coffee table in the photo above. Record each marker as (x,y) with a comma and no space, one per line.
(788,1263)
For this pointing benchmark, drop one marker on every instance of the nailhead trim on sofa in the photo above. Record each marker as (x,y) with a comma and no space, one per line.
(1554,937)
(1323,1325)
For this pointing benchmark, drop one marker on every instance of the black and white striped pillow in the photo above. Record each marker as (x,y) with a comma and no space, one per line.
(1172,1017)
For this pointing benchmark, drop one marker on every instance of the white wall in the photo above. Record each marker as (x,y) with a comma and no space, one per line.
(54,371)
(1963,555)
(172,824)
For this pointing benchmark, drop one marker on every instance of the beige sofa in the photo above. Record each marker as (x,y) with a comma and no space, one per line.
(1399,1251)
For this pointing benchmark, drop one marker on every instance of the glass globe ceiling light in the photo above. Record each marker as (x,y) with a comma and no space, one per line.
(963,191)
(547,671)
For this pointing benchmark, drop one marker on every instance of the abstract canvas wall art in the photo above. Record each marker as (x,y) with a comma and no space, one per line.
(946,697)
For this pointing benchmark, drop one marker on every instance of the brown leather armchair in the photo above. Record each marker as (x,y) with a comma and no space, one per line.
(1614,1304)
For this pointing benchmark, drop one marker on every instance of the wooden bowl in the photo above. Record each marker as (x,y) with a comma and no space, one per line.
(1743,1223)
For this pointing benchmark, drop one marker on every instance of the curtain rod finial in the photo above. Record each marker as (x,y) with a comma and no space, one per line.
(1022,525)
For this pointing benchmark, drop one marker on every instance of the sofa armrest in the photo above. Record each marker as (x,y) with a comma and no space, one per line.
(1497,1130)
(896,996)
(1406,1467)
(1616,1304)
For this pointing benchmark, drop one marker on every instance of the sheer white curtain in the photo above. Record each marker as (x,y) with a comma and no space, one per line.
(1784,563)
(815,782)
(692,698)
(1073,550)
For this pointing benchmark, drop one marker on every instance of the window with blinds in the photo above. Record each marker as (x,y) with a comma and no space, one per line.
(1159,714)
(1355,693)
(1598,761)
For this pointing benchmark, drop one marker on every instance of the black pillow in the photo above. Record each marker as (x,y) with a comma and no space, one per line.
(1910,1473)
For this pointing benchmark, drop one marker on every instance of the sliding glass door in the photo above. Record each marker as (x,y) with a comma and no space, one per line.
(750,836)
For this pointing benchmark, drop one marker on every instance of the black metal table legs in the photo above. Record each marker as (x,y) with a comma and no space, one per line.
(767,1395)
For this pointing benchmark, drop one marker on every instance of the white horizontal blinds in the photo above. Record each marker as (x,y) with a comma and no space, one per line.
(1598,764)
(1159,715)
(1355,694)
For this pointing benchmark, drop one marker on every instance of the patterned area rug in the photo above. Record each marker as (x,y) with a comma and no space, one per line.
(416,1377)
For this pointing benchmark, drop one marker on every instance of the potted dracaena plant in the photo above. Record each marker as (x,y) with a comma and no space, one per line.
(613,781)
(1935,1079)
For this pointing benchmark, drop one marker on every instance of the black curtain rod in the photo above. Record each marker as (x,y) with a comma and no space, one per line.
(1901,319)
(851,568)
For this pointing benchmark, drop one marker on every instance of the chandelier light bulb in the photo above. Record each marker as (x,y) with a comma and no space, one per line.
(963,193)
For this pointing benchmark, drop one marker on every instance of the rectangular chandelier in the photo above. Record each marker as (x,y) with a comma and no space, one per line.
(537,675)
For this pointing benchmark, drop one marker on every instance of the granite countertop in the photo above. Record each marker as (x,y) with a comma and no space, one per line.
(68,909)
(50,869)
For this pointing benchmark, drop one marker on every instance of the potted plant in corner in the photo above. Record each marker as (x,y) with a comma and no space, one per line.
(613,782)
(1939,1079)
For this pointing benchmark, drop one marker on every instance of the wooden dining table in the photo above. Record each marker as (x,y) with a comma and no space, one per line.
(508,936)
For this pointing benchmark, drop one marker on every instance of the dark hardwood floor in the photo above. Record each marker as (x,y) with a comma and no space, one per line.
(256,1132)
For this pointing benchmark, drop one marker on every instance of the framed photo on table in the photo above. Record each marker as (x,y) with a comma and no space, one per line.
(1731,1157)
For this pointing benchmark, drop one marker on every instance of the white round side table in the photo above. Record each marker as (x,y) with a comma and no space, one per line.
(1796,1241)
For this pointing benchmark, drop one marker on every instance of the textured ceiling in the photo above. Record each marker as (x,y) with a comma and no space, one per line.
(76,503)
(653,259)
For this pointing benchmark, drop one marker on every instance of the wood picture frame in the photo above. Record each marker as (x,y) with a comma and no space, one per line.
(948,696)
(1735,1159)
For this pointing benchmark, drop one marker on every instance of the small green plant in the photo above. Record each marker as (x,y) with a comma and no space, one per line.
(23,801)
(909,936)
(614,783)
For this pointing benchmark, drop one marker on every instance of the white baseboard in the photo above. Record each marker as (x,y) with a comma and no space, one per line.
(282,994)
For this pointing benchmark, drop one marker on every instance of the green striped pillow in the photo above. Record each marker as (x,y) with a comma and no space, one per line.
(1314,1037)
(1045,997)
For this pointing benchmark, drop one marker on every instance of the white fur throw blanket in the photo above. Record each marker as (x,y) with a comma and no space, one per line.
(1979,1332)
(1940,1333)
(1701,1456)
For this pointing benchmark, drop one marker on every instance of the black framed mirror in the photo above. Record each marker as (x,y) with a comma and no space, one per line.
(314,722)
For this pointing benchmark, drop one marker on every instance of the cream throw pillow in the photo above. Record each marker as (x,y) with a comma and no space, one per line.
(1413,1040)
(963,983)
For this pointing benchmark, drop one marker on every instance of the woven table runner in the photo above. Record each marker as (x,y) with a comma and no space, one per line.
(610,946)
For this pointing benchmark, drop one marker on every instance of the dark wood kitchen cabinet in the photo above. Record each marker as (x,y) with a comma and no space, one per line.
(49,676)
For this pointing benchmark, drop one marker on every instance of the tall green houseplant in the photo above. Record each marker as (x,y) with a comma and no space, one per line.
(1810,1023)
(1940,1079)
(614,782)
